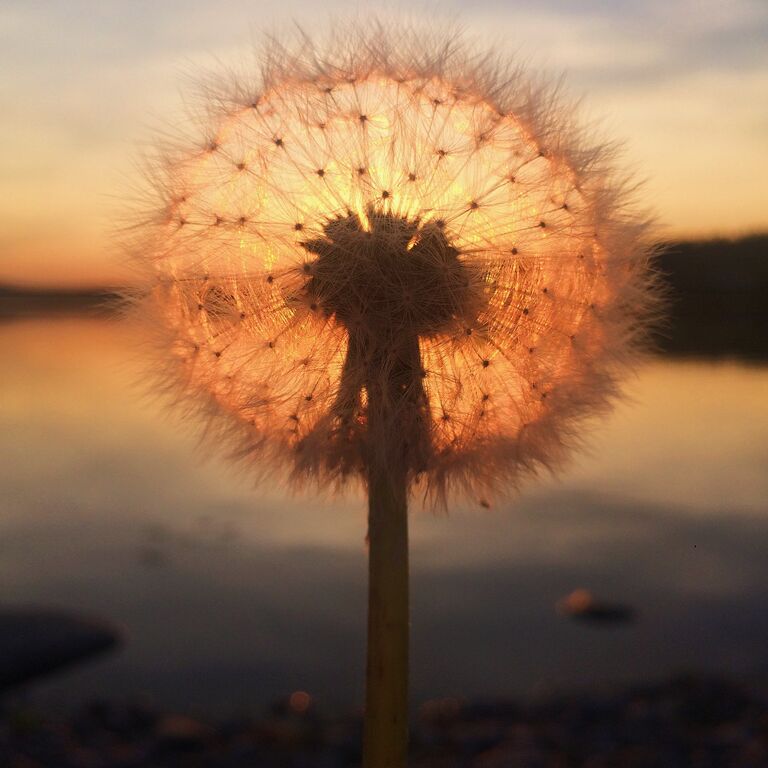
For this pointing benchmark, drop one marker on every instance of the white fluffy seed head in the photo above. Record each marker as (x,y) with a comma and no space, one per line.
(387,244)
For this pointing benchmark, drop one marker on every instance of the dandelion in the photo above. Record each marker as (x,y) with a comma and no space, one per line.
(392,260)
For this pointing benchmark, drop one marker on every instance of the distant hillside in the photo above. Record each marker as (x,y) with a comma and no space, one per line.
(717,299)
(26,302)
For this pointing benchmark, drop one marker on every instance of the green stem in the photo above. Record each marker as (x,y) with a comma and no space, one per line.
(385,739)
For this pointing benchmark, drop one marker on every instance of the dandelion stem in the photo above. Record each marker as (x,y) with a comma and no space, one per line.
(395,396)
(385,741)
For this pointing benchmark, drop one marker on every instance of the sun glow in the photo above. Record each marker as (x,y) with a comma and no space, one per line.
(336,215)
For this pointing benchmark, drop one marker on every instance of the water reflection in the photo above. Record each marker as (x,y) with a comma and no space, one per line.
(230,596)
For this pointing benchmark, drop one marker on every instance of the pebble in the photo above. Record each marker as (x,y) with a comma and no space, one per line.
(685,722)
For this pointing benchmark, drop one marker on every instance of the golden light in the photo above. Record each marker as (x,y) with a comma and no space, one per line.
(529,210)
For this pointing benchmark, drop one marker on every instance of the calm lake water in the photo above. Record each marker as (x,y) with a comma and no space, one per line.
(230,596)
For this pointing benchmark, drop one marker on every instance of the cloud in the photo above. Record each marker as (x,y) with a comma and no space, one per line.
(683,81)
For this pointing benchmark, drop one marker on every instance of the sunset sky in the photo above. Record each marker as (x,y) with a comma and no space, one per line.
(85,84)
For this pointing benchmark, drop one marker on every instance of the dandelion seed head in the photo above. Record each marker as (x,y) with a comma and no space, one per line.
(402,225)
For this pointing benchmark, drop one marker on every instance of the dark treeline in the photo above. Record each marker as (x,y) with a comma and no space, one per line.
(717,299)
(17,302)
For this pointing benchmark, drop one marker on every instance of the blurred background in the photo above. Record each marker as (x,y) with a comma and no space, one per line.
(646,559)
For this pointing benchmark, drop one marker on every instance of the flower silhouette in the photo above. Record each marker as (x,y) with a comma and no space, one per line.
(385,216)
(390,258)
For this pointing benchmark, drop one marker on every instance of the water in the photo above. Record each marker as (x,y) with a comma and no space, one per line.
(230,596)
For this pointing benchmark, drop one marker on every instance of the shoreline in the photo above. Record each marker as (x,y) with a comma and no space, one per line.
(684,721)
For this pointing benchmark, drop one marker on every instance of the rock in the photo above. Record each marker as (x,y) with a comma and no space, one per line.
(35,642)
(582,605)
(180,733)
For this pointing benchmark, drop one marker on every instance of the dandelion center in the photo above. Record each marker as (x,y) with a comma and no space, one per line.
(394,278)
